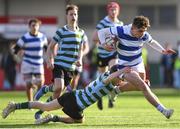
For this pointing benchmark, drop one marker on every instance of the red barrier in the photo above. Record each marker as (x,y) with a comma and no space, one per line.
(1,79)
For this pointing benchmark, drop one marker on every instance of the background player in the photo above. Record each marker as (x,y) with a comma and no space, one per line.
(32,68)
(70,39)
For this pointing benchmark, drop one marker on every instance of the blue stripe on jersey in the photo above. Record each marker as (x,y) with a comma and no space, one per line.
(129,58)
(107,21)
(122,35)
(32,57)
(28,61)
(128,48)
(123,66)
(33,49)
(30,40)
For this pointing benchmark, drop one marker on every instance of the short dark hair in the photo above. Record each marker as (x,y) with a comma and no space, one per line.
(71,7)
(35,20)
(141,22)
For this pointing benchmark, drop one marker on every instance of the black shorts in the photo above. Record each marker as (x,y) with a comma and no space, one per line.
(60,72)
(102,62)
(70,107)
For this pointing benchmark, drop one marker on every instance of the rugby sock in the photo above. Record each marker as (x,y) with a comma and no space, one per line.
(24,105)
(160,108)
(48,88)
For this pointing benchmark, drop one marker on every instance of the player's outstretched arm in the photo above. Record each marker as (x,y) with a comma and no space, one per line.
(154,44)
(116,74)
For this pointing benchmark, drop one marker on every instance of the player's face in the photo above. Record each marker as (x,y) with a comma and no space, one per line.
(137,32)
(72,16)
(34,27)
(113,12)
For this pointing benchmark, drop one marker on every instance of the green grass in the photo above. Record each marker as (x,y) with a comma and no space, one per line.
(131,111)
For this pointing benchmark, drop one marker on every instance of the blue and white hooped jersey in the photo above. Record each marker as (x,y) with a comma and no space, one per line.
(129,48)
(106,23)
(33,47)
(93,92)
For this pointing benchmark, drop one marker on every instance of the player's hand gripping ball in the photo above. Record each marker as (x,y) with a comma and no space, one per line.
(110,42)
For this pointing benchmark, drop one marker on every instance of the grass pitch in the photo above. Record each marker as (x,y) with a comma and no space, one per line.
(131,111)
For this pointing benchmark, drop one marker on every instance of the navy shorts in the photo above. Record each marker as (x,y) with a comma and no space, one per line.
(70,107)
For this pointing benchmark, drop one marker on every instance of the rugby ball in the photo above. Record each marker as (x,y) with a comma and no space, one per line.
(111,41)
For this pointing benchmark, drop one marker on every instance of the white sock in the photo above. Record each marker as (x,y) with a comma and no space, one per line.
(160,108)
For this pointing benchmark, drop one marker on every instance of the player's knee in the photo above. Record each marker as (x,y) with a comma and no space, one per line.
(143,86)
(38,81)
(57,89)
(29,84)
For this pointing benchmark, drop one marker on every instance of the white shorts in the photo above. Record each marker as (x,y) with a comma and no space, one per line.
(139,68)
(27,68)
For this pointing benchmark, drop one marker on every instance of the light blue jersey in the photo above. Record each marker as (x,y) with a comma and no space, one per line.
(93,92)
(33,48)
(69,46)
(105,23)
(129,48)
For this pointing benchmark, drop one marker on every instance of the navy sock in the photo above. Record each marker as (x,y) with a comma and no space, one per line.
(24,105)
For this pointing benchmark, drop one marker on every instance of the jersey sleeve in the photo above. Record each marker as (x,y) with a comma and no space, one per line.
(21,41)
(84,38)
(58,36)
(148,37)
(45,41)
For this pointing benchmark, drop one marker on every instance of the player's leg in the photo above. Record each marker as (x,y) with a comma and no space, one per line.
(112,96)
(29,86)
(55,118)
(43,90)
(39,76)
(11,107)
(58,75)
(26,70)
(70,108)
(136,80)
(75,80)
(57,88)
(100,71)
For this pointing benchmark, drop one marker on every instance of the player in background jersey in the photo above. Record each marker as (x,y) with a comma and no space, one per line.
(70,40)
(105,58)
(73,103)
(32,45)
